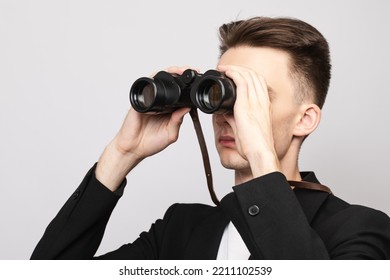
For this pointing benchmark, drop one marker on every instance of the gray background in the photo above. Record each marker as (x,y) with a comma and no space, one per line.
(65,71)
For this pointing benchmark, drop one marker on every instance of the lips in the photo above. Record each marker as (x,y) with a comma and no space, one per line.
(227,141)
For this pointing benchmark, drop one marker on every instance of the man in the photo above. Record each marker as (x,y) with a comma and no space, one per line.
(281,69)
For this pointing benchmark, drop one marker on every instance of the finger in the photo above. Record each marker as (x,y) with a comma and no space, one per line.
(244,87)
(237,77)
(180,69)
(175,70)
(257,89)
(260,87)
(178,115)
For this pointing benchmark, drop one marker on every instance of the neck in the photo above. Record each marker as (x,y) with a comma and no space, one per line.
(245,175)
(288,166)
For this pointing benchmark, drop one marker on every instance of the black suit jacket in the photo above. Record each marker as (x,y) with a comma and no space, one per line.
(290,224)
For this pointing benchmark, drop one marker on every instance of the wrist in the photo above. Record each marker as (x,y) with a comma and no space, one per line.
(114,165)
(263,163)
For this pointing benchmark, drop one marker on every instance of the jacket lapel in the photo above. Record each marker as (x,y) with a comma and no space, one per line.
(231,207)
(311,201)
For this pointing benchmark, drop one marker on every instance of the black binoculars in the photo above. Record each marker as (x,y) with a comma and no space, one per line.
(211,92)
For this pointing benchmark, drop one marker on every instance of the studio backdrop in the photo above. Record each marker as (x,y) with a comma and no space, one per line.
(66,68)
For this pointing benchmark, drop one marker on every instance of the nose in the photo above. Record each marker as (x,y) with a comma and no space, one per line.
(220,119)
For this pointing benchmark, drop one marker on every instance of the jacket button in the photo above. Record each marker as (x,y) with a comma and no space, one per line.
(253,210)
(76,194)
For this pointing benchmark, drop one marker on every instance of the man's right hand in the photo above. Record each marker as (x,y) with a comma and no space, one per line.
(141,136)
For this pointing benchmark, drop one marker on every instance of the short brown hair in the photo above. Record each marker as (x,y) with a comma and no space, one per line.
(308,49)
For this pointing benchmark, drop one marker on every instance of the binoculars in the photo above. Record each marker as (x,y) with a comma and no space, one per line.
(211,92)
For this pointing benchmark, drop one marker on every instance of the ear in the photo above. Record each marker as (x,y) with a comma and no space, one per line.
(309,118)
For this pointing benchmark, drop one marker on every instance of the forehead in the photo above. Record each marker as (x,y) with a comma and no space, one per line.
(272,64)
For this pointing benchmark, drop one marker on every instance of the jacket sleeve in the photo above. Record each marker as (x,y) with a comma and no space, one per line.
(78,228)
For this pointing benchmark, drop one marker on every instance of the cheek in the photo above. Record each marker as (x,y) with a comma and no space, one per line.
(216,127)
(282,142)
(282,128)
(216,121)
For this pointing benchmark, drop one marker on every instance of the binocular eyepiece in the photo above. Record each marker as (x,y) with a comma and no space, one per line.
(211,92)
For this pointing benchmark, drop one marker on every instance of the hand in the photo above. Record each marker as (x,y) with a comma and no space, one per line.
(141,136)
(251,122)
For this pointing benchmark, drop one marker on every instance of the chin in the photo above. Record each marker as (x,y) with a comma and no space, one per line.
(232,160)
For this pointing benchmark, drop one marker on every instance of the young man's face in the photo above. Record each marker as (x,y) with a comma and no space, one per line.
(273,66)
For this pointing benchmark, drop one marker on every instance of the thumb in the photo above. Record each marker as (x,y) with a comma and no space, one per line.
(175,123)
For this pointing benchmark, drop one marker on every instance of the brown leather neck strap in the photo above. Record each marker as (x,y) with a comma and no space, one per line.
(205,154)
(207,167)
(310,186)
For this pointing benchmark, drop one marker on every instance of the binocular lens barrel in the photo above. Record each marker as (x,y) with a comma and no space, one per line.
(209,94)
(143,95)
(147,95)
